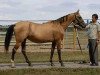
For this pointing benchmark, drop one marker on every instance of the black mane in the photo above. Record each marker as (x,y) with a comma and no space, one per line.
(61,19)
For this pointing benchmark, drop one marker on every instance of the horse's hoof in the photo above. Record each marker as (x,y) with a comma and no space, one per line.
(52,64)
(29,64)
(13,67)
(62,65)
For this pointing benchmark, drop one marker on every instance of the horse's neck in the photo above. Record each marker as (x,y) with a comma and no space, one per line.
(66,24)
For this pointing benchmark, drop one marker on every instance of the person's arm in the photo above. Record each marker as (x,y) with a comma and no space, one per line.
(78,27)
(87,27)
(98,32)
(98,35)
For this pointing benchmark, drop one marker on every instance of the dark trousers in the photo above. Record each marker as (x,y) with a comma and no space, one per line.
(93,51)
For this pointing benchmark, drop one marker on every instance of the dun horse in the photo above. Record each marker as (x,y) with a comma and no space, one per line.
(52,31)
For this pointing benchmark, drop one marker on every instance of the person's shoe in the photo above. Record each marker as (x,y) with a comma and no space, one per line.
(96,64)
(92,64)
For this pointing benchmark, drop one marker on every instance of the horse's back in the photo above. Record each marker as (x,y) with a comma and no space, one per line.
(37,32)
(22,24)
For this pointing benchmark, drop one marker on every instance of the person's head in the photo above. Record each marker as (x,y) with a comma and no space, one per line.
(94,17)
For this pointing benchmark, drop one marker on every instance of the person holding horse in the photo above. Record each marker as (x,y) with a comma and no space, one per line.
(93,33)
(93,39)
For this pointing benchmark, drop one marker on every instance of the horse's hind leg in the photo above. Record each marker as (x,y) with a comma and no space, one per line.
(13,54)
(52,52)
(24,52)
(59,52)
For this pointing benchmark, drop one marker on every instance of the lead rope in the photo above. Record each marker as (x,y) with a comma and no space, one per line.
(78,39)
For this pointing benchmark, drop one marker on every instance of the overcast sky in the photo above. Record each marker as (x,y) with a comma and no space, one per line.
(46,9)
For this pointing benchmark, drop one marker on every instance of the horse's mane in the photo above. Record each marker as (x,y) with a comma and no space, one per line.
(61,19)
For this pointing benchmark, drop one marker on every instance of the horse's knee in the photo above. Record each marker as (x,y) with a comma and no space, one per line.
(23,51)
(14,51)
(17,45)
(59,50)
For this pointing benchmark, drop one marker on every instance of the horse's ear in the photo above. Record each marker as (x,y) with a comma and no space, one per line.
(77,11)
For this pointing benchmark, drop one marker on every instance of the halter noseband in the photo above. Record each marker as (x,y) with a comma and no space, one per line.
(77,19)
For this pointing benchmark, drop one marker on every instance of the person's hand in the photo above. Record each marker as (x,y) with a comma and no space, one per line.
(98,41)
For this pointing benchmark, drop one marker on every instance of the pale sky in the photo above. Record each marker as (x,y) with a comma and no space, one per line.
(46,9)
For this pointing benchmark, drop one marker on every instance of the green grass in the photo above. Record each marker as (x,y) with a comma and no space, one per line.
(44,56)
(70,56)
(51,71)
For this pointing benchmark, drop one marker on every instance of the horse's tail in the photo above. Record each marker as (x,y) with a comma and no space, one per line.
(8,37)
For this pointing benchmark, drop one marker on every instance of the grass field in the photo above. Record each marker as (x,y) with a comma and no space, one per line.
(69,56)
(52,71)
(44,56)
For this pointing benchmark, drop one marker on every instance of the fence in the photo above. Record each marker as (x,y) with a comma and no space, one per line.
(68,43)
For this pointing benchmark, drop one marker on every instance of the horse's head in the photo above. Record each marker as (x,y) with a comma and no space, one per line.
(79,20)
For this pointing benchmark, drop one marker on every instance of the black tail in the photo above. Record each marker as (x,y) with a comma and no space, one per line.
(8,37)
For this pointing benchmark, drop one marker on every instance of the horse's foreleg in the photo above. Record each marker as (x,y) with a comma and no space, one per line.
(59,53)
(51,56)
(13,54)
(52,52)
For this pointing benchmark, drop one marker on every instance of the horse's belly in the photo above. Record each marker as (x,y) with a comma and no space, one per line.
(40,39)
